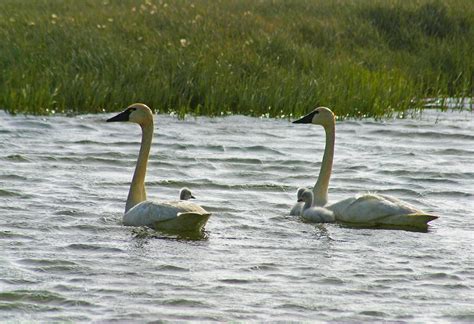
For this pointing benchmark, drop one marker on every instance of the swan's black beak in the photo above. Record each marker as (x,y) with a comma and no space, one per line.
(123,116)
(192,197)
(308,119)
(299,200)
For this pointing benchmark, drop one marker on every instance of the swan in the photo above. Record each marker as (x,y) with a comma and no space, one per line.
(373,209)
(298,207)
(312,213)
(185,194)
(178,215)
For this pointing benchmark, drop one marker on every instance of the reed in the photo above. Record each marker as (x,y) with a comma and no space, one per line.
(264,58)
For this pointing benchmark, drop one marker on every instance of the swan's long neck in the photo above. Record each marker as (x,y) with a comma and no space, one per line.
(320,190)
(137,191)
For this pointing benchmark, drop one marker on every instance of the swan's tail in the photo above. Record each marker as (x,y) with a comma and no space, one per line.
(186,221)
(193,221)
(420,220)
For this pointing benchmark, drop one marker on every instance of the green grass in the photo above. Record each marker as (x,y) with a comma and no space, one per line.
(214,57)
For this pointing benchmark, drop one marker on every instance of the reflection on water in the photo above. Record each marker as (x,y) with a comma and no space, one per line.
(145,234)
(384,227)
(66,256)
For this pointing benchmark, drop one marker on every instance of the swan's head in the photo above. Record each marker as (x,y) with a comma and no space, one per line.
(320,116)
(137,113)
(185,194)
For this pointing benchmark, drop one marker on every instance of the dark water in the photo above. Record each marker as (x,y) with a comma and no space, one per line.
(66,257)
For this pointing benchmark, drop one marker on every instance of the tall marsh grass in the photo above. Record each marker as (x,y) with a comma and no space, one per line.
(214,57)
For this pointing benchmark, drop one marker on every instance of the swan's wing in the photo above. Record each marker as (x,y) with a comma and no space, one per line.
(339,207)
(185,221)
(148,212)
(370,207)
(191,217)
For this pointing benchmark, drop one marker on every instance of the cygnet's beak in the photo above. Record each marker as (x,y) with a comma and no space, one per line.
(192,197)
(308,119)
(299,200)
(123,116)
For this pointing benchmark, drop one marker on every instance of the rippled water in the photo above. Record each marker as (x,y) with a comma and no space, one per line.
(66,257)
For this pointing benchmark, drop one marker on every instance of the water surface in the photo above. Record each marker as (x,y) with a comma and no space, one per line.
(66,257)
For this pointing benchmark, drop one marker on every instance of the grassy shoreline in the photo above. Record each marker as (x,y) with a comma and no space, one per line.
(274,58)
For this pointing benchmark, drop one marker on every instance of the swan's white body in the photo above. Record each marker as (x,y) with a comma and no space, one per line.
(379,210)
(167,215)
(297,208)
(315,214)
(370,209)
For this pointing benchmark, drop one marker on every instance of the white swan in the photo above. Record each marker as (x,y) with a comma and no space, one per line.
(171,215)
(373,209)
(185,194)
(298,207)
(312,213)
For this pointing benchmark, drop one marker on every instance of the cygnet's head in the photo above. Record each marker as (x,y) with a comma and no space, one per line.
(185,194)
(299,193)
(320,116)
(306,197)
(137,113)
